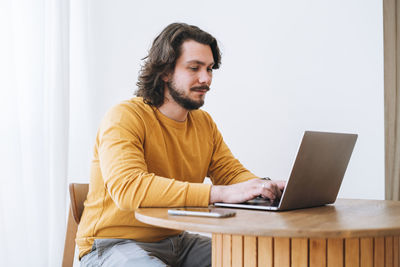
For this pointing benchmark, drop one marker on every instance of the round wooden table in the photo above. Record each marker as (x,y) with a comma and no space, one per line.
(349,233)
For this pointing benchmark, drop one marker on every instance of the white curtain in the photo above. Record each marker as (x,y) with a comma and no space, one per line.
(34,101)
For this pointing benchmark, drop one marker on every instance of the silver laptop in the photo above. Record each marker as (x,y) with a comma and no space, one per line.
(316,176)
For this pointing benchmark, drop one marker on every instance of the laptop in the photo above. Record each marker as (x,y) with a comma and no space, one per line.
(316,176)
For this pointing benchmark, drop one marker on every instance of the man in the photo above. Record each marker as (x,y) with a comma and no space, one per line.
(155,151)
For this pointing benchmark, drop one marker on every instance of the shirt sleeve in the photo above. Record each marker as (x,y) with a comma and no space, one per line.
(123,167)
(224,168)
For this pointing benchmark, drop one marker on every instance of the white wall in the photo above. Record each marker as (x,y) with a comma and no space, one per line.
(287,66)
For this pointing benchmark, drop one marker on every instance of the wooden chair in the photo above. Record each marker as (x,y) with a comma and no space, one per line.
(77,194)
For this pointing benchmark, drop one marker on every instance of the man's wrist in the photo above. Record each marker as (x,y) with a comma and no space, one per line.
(216,193)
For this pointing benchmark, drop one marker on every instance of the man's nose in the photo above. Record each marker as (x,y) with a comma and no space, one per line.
(205,77)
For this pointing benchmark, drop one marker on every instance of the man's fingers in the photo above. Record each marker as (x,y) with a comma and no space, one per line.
(273,189)
(268,194)
(270,190)
(281,185)
(278,192)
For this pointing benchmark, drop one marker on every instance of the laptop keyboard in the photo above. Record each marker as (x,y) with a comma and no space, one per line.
(260,201)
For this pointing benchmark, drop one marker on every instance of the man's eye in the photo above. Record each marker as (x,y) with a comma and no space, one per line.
(194,68)
(210,70)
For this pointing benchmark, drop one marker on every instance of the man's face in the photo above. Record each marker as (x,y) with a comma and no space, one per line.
(192,76)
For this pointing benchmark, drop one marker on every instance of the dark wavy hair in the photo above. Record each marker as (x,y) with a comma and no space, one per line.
(162,57)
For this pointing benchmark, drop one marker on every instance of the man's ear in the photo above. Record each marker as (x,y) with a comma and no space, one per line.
(165,77)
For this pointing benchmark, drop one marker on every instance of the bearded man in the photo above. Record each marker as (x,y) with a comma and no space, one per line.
(155,150)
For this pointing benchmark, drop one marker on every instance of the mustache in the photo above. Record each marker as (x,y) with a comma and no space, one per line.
(200,88)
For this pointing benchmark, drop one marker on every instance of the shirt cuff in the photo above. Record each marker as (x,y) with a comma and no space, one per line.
(198,195)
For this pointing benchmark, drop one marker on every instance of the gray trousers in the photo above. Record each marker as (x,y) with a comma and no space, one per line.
(181,250)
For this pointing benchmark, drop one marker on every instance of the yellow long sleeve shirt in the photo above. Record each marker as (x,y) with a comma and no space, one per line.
(144,159)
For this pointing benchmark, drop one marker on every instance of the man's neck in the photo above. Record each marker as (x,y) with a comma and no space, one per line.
(173,110)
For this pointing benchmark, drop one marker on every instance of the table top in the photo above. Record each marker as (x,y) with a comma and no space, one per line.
(345,218)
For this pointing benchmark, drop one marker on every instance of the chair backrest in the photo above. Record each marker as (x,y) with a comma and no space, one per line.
(78,194)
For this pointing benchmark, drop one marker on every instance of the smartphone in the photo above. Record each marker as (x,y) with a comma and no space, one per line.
(202,212)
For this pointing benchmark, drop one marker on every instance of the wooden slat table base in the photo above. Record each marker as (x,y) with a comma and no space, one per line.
(236,250)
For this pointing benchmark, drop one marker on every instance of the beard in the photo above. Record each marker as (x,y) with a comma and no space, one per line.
(183,100)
